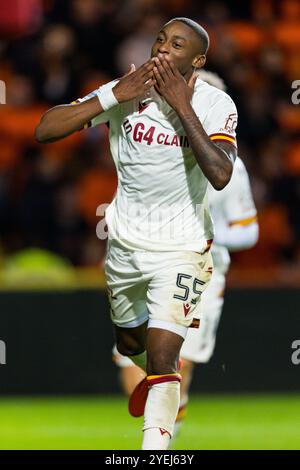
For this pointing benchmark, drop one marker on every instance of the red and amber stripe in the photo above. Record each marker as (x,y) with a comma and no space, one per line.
(244,222)
(158,379)
(223,137)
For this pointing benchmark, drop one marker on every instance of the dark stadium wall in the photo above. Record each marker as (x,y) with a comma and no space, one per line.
(60,343)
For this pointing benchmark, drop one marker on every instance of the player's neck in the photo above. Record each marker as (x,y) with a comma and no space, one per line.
(188,75)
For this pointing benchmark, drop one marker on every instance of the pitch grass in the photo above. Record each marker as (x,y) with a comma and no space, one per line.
(217,422)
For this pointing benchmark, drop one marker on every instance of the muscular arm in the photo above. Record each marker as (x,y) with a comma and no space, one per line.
(215,160)
(63,120)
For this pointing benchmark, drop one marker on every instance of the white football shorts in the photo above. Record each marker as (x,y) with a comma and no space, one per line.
(147,285)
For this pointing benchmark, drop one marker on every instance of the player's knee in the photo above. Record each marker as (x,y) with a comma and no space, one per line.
(161,363)
(129,347)
(130,341)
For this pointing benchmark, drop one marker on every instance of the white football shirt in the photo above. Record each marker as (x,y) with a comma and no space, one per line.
(161,202)
(233,205)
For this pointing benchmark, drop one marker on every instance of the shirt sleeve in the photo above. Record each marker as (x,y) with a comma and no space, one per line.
(238,237)
(221,120)
(239,208)
(106,115)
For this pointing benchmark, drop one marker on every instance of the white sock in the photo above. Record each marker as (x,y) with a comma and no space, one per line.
(160,413)
(140,360)
(156,439)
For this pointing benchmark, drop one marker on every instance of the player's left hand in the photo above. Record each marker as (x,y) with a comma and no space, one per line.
(172,85)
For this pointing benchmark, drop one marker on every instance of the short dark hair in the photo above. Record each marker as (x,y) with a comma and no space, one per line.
(199,30)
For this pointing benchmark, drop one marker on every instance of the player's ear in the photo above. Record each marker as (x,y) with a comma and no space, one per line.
(199,61)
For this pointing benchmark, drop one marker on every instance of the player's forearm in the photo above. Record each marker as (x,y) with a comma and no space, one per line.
(61,121)
(215,164)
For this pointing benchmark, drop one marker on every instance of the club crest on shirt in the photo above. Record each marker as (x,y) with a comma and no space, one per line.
(231,123)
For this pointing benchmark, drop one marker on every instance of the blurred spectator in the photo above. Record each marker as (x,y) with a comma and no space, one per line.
(55,78)
(91,21)
(136,48)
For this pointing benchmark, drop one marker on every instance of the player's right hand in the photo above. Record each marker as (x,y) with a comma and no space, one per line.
(135,83)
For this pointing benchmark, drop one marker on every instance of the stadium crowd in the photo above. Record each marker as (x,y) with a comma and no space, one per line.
(54,51)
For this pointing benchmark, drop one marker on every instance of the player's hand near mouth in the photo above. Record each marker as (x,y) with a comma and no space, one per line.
(172,85)
(135,83)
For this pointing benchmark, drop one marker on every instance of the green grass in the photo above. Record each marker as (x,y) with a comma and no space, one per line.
(218,422)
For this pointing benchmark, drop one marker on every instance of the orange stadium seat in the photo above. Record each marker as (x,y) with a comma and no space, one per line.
(63,150)
(96,187)
(248,36)
(17,128)
(288,117)
(287,34)
(290,9)
(16,132)
(20,123)
(292,159)
(275,234)
(292,65)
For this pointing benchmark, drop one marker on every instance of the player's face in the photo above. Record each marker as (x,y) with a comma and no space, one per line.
(179,43)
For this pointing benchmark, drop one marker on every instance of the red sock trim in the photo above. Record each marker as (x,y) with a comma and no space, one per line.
(158,379)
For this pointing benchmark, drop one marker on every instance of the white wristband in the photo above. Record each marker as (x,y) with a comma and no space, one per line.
(107,99)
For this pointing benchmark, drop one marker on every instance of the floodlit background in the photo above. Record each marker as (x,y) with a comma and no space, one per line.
(59,387)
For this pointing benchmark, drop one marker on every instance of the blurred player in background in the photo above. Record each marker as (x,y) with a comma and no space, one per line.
(170,133)
(236,228)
